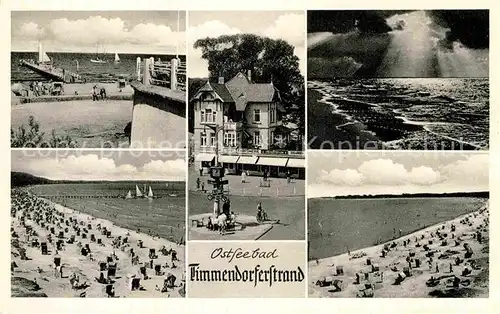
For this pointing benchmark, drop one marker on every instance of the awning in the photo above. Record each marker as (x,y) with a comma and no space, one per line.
(247,160)
(296,163)
(204,157)
(228,159)
(269,161)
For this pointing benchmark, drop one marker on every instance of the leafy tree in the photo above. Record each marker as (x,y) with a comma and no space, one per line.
(268,59)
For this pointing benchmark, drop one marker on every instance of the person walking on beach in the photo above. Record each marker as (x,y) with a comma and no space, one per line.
(103,93)
(243,177)
(94,93)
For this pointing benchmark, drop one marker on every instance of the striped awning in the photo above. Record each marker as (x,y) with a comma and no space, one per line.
(296,163)
(271,161)
(228,159)
(247,160)
(204,157)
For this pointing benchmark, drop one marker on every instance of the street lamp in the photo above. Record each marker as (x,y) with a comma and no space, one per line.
(217,174)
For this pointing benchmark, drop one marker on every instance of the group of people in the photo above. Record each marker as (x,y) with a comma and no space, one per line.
(39,88)
(98,93)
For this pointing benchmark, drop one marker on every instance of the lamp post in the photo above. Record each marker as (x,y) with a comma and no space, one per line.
(217,174)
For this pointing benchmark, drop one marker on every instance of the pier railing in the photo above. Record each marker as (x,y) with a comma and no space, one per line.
(170,74)
(52,71)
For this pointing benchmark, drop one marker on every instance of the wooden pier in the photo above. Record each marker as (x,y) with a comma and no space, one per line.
(53,73)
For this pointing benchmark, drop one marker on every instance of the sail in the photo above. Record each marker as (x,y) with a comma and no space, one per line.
(117,58)
(45,57)
(138,192)
(129,195)
(40,52)
(150,194)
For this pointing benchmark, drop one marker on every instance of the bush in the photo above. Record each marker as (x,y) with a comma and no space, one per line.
(30,136)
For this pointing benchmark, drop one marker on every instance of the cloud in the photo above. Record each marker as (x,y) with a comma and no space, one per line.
(424,175)
(90,167)
(99,30)
(30,30)
(289,27)
(342,177)
(383,172)
(473,170)
(382,176)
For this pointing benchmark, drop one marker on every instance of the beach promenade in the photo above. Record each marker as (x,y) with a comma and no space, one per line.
(282,201)
(449,259)
(58,252)
(279,187)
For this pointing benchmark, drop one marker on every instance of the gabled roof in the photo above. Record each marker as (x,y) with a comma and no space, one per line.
(242,91)
(219,89)
(222,91)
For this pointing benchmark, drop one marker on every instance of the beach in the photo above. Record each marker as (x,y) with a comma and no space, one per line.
(116,256)
(447,259)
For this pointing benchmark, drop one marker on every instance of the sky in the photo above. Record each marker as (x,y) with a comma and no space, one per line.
(384,43)
(333,173)
(114,31)
(101,165)
(286,25)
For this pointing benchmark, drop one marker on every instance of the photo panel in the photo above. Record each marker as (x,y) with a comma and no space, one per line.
(246,125)
(98,79)
(98,224)
(398,79)
(398,224)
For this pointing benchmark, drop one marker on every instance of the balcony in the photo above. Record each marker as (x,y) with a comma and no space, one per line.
(232,126)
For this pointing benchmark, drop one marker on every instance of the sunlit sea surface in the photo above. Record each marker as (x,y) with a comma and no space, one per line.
(453,108)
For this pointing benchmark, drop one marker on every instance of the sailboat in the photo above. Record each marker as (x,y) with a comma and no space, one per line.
(138,192)
(129,195)
(150,193)
(42,55)
(97,59)
(117,58)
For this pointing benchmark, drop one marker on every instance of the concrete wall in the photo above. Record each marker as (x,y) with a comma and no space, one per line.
(158,119)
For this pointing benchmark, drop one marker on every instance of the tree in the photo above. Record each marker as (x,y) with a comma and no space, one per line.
(268,59)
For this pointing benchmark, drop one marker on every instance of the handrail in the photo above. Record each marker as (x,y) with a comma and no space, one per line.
(171,74)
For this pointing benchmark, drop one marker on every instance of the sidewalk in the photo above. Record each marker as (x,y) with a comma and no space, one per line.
(278,186)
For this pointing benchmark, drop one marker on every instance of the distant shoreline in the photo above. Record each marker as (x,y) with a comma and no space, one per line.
(481,194)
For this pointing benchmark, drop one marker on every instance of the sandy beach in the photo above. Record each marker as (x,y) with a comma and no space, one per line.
(59,252)
(449,259)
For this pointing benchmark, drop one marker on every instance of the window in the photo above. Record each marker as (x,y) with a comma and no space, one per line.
(272,113)
(212,139)
(230,139)
(208,115)
(272,137)
(256,115)
(203,139)
(256,138)
(202,116)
